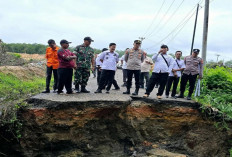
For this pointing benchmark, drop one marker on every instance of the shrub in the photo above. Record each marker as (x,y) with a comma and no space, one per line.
(16,55)
(216,90)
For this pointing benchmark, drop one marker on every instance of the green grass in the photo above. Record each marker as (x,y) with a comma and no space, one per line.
(13,92)
(17,55)
(12,88)
(216,90)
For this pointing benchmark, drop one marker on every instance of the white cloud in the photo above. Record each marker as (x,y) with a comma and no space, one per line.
(119,21)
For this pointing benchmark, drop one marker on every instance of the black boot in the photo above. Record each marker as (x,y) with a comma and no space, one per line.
(181,95)
(127,91)
(141,86)
(83,89)
(77,88)
(136,91)
(46,91)
(98,91)
(189,97)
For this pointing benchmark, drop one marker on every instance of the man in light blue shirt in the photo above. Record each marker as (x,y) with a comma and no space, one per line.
(109,61)
(163,67)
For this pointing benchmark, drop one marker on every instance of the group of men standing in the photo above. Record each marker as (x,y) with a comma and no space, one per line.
(167,71)
(82,59)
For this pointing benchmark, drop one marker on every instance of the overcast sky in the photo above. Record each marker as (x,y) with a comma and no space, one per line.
(36,21)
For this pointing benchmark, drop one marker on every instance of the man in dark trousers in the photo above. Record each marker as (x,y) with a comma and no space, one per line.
(134,57)
(52,65)
(145,70)
(85,58)
(174,76)
(109,61)
(163,66)
(194,67)
(124,69)
(98,65)
(66,65)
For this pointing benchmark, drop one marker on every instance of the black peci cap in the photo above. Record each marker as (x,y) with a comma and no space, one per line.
(89,39)
(51,41)
(64,42)
(104,49)
(196,50)
(164,46)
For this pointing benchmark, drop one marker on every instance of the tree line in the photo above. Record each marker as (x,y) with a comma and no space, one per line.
(41,49)
(37,48)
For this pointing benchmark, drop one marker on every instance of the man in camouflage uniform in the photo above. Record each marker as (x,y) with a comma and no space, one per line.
(85,57)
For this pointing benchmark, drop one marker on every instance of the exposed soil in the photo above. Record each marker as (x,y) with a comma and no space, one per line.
(32,56)
(140,128)
(10,60)
(28,72)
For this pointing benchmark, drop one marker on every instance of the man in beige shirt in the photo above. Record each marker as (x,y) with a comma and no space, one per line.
(134,57)
(194,67)
(145,70)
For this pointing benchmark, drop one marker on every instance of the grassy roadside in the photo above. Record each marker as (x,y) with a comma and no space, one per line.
(216,96)
(13,88)
(16,85)
(216,91)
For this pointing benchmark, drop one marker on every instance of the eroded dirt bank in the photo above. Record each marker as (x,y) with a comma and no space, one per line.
(141,127)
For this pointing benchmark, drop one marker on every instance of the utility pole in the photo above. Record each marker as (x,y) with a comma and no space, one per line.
(205,31)
(194,30)
(217,57)
(141,38)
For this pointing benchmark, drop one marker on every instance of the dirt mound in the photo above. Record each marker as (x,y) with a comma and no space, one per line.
(24,72)
(32,56)
(7,59)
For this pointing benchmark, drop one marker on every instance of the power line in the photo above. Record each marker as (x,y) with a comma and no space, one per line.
(183,22)
(183,27)
(176,28)
(187,14)
(180,23)
(154,18)
(176,10)
(168,46)
(158,24)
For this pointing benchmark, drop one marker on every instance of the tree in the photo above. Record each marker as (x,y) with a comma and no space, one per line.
(228,63)
(2,46)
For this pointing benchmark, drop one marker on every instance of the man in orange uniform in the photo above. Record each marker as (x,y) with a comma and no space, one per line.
(52,65)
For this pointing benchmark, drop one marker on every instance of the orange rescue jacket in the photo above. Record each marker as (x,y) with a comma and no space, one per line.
(52,57)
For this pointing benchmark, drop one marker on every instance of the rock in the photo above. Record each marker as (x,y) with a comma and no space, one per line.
(163,153)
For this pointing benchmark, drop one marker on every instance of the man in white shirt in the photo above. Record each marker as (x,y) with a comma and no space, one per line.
(109,61)
(145,70)
(175,75)
(163,66)
(124,69)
